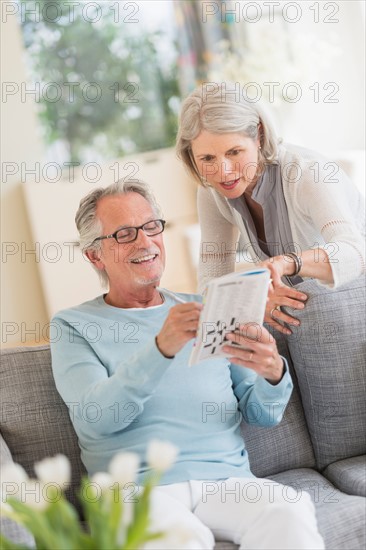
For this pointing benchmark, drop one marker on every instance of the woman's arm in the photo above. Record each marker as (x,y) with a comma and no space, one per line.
(328,212)
(218,240)
(314,264)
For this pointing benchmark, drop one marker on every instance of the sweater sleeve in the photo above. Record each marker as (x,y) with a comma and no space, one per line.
(260,402)
(88,390)
(334,207)
(218,240)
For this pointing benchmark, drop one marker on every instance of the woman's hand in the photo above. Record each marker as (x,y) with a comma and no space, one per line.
(260,353)
(283,295)
(280,294)
(279,266)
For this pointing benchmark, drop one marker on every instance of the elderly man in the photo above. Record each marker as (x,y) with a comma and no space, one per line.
(126,352)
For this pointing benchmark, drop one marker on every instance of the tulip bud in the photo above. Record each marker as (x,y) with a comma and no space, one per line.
(54,470)
(12,477)
(161,455)
(123,467)
(103,480)
(14,473)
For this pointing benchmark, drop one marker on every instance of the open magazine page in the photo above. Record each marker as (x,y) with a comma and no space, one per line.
(231,301)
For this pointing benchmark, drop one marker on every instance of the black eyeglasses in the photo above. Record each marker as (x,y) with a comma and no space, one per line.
(129,234)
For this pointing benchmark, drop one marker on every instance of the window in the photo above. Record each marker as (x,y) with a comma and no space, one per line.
(104,75)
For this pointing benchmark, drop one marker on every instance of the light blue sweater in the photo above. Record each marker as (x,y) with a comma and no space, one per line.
(121,392)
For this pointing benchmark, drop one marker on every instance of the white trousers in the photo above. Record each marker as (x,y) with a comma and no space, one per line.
(251,512)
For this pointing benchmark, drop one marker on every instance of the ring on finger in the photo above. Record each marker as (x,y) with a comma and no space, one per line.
(250,356)
(278,308)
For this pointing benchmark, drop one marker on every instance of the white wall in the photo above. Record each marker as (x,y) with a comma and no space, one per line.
(22,304)
(315,122)
(336,129)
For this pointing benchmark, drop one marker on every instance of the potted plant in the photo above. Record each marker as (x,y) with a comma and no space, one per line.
(116,509)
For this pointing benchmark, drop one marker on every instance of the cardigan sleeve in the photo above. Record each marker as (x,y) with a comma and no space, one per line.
(334,207)
(218,240)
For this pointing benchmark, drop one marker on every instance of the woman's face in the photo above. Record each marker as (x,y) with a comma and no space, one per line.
(228,162)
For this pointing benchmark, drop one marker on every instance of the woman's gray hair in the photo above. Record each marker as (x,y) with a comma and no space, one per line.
(218,109)
(88,224)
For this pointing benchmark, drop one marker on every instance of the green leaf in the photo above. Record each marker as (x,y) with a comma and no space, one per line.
(97,517)
(138,530)
(35,521)
(115,516)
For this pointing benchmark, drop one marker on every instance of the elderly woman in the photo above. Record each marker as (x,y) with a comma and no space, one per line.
(293,211)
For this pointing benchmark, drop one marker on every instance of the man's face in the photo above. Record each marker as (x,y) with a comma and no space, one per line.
(133,265)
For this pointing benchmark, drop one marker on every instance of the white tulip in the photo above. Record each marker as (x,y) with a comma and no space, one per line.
(161,455)
(54,470)
(123,467)
(103,480)
(12,477)
(13,473)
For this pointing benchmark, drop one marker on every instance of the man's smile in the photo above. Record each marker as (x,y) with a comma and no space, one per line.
(148,258)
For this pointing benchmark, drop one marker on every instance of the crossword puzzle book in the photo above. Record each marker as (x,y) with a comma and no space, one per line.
(230,301)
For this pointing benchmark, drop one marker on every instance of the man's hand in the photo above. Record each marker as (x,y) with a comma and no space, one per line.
(260,353)
(180,326)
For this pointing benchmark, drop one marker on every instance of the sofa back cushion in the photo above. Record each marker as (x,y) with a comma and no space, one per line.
(329,355)
(285,446)
(34,420)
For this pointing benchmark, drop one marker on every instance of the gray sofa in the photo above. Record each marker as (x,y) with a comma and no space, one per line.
(319,446)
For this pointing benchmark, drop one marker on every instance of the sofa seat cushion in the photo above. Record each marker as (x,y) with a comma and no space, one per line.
(341,517)
(16,533)
(34,420)
(348,475)
(328,351)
